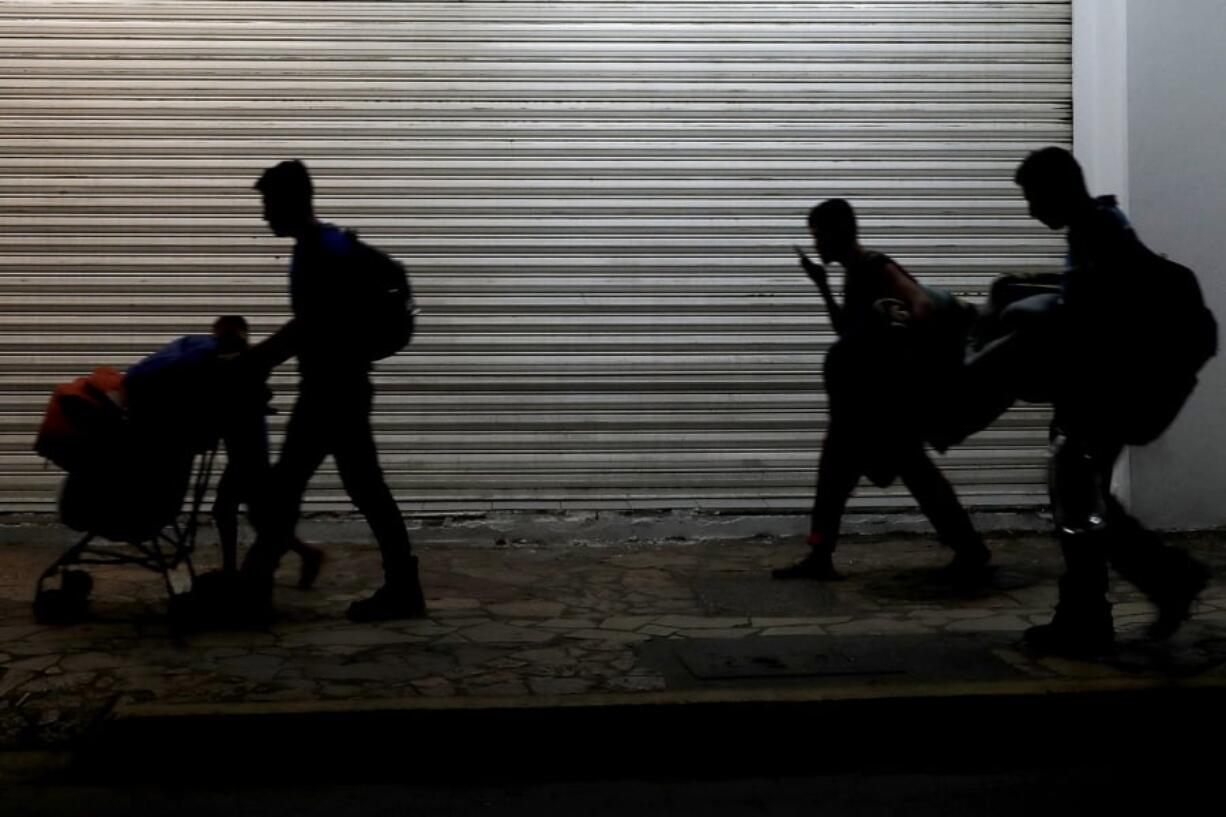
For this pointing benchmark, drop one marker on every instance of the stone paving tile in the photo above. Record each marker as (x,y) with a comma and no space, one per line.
(629,623)
(12,681)
(633,683)
(559,686)
(502,621)
(423,628)
(439,605)
(803,629)
(348,636)
(1134,608)
(877,626)
(619,636)
(717,633)
(16,632)
(952,614)
(546,656)
(40,664)
(528,609)
(989,624)
(657,630)
(568,624)
(493,632)
(435,687)
(783,621)
(700,622)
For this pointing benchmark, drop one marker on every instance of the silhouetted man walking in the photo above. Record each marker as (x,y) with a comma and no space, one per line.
(899,346)
(332,414)
(1119,375)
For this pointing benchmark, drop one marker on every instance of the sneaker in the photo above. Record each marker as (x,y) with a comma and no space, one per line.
(1175,602)
(965,573)
(1088,639)
(816,566)
(221,600)
(312,561)
(390,602)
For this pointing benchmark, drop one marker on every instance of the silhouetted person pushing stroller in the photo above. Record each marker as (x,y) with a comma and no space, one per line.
(334,315)
(899,344)
(244,481)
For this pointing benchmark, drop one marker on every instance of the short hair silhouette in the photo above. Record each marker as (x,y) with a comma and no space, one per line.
(230,331)
(833,215)
(1051,167)
(230,323)
(286,180)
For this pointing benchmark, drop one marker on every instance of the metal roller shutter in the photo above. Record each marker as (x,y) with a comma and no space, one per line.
(596,200)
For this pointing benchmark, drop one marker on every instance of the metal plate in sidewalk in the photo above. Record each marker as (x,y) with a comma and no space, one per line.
(728,659)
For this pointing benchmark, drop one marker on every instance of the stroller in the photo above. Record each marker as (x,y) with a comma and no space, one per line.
(125,489)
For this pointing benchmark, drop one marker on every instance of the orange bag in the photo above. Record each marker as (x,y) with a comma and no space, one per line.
(84,422)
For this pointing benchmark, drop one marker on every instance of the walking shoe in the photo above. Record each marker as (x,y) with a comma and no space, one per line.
(1175,601)
(1089,638)
(226,600)
(817,566)
(391,601)
(967,572)
(312,560)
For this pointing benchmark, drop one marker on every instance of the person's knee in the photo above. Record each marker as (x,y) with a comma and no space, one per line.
(370,495)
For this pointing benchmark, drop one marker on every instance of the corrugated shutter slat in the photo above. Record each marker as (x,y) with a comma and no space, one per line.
(596,200)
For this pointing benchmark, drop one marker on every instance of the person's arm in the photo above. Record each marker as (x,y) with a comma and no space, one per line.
(817,274)
(277,348)
(917,302)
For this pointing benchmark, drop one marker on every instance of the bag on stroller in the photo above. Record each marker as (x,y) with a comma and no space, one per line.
(125,483)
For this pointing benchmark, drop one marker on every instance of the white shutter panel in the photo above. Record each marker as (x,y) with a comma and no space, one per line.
(596,202)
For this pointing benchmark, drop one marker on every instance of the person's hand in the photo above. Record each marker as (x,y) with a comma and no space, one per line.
(248,368)
(895,311)
(815,271)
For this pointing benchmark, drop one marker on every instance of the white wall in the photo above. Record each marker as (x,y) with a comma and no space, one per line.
(1176,184)
(1100,124)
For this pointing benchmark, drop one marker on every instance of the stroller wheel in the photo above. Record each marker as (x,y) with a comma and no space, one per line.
(56,606)
(77,584)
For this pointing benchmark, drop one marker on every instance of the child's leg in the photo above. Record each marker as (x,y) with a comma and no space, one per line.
(225,517)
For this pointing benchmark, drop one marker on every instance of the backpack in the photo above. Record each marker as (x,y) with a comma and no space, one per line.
(1185,330)
(1178,337)
(84,421)
(383,302)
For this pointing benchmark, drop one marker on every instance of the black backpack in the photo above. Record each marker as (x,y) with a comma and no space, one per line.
(384,307)
(1176,337)
(1186,329)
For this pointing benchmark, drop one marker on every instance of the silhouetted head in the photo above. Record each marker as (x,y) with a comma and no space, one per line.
(833,225)
(231,333)
(1054,186)
(287,191)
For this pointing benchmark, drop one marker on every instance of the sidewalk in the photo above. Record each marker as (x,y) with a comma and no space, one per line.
(576,628)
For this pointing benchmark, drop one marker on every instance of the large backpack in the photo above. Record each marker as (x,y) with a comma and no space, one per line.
(1177,336)
(384,311)
(84,422)
(1185,330)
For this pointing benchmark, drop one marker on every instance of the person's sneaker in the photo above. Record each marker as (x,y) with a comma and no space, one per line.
(966,573)
(312,561)
(1175,602)
(227,600)
(390,602)
(816,566)
(1088,639)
